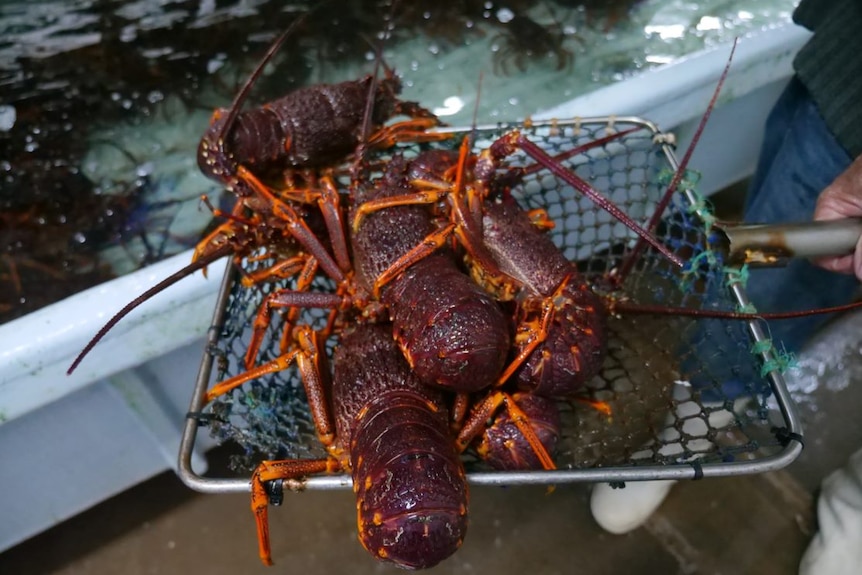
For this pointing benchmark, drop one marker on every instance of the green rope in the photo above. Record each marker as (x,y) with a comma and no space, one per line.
(781,361)
(700,206)
(761,346)
(689,273)
(734,276)
(747,308)
(689,179)
(738,276)
(707,257)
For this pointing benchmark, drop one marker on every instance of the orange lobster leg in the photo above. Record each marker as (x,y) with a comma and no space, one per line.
(478,420)
(280,363)
(295,225)
(262,319)
(330,206)
(271,471)
(408,131)
(223,233)
(281,270)
(534,332)
(429,245)
(323,192)
(418,198)
(316,383)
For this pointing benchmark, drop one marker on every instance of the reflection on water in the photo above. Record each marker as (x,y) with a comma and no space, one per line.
(103,102)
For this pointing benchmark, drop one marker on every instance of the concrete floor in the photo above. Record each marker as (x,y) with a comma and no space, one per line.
(749,525)
(755,524)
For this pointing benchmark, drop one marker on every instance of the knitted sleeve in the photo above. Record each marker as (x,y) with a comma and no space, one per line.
(830,65)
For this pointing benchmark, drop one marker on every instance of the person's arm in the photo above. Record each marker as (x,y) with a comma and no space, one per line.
(843,199)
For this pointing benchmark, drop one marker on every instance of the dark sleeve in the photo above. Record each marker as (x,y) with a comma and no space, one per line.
(809,13)
(830,65)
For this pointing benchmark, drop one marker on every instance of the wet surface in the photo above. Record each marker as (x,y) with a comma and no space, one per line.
(104,102)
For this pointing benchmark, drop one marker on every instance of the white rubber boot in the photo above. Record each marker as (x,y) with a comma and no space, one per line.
(621,510)
(837,548)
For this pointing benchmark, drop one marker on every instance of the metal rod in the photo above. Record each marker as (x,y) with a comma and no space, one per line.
(187,443)
(774,244)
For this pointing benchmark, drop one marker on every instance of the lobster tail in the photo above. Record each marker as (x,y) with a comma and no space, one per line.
(411,491)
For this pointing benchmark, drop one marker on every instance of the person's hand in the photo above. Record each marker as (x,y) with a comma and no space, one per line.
(843,199)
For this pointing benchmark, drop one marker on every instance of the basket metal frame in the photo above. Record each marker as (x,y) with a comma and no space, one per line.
(791,449)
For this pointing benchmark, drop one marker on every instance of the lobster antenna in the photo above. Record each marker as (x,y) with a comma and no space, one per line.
(372,89)
(475,121)
(165,283)
(680,172)
(241,96)
(648,309)
(677,177)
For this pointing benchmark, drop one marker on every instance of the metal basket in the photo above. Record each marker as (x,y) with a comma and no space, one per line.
(687,396)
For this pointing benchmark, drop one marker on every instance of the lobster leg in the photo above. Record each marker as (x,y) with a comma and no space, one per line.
(329,204)
(262,320)
(422,197)
(283,269)
(280,363)
(294,300)
(533,333)
(223,234)
(296,225)
(467,213)
(413,131)
(428,246)
(271,471)
(323,192)
(303,283)
(458,411)
(308,357)
(478,420)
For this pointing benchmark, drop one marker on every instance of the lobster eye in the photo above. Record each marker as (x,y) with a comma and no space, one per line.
(217,115)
